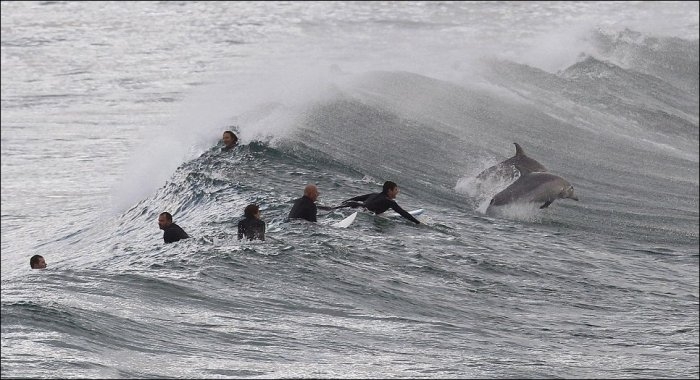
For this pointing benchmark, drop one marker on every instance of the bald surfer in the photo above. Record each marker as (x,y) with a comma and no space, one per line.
(305,207)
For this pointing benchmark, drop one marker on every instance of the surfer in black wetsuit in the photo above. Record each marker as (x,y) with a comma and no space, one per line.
(252,227)
(171,231)
(380,202)
(230,140)
(305,207)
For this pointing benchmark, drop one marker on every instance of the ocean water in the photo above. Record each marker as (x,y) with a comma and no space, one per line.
(112,113)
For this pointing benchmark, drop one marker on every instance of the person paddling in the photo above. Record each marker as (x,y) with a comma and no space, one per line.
(380,202)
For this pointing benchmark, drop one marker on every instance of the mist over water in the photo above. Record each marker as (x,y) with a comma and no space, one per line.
(432,41)
(113,113)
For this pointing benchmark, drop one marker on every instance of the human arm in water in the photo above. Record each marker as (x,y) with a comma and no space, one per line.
(261,232)
(395,206)
(355,202)
(241,229)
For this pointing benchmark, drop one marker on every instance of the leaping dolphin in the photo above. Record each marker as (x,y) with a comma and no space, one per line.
(507,169)
(535,187)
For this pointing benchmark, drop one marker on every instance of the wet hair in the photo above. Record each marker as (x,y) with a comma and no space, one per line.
(388,185)
(233,136)
(251,210)
(167,215)
(34,261)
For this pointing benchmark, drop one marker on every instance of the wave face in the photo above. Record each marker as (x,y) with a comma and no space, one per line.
(603,287)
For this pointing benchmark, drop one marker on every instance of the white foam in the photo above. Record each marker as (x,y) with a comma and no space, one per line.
(529,212)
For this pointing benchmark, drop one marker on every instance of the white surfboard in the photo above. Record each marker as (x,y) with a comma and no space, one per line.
(397,215)
(347,221)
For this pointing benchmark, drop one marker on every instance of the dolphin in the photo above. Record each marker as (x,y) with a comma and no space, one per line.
(535,187)
(507,169)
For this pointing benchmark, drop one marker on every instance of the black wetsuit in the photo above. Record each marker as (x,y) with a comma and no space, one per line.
(378,203)
(174,233)
(251,228)
(304,208)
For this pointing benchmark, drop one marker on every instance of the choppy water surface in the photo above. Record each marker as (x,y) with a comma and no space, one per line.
(112,113)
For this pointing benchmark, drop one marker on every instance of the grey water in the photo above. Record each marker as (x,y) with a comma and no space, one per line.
(113,112)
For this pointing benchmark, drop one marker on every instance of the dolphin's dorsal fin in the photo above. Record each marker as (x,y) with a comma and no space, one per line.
(518,150)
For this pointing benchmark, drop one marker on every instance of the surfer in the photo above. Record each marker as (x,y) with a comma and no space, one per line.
(37,262)
(230,140)
(305,207)
(171,231)
(252,227)
(380,202)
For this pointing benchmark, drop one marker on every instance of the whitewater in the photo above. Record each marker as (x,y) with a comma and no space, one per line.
(113,113)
